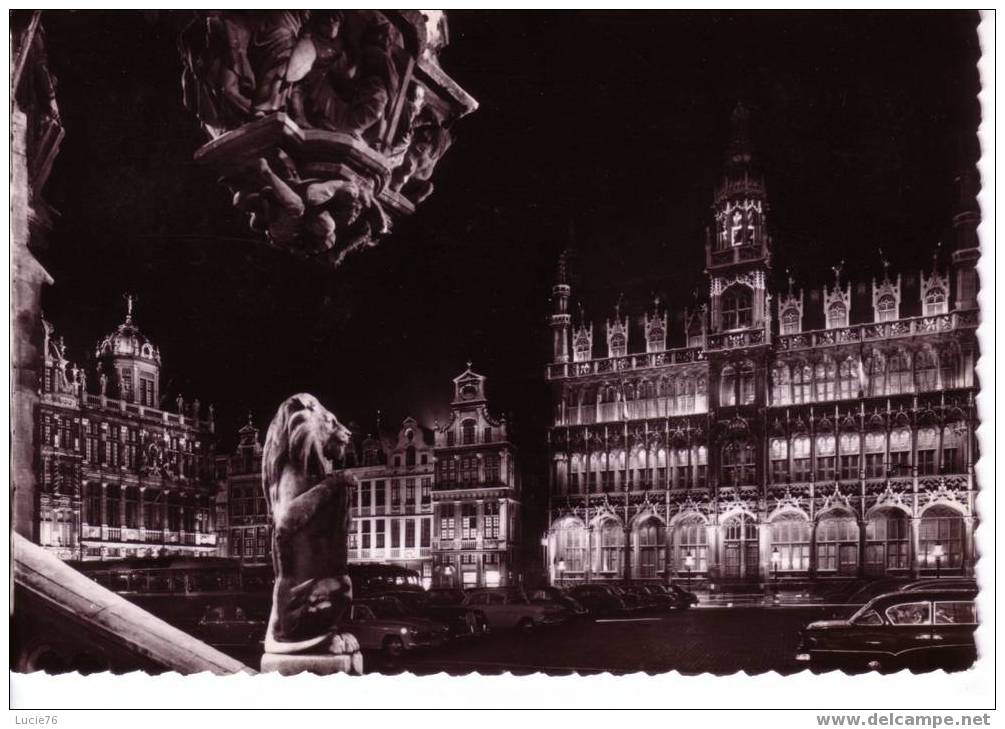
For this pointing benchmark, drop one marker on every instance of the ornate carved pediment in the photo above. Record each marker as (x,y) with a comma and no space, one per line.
(836,499)
(325,124)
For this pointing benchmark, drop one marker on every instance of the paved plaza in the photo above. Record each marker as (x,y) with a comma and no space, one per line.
(720,640)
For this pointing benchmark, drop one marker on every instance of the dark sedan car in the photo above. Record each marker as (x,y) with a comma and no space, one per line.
(559,598)
(922,630)
(600,600)
(461,620)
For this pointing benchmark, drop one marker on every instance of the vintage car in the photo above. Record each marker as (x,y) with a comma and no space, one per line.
(920,630)
(599,600)
(510,608)
(227,625)
(555,597)
(379,626)
(682,598)
(462,621)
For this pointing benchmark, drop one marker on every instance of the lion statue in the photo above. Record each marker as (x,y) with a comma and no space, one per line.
(308,500)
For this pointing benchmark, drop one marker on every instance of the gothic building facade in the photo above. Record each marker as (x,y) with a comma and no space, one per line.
(119,476)
(782,436)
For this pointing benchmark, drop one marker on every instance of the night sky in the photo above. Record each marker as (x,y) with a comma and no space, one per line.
(606,130)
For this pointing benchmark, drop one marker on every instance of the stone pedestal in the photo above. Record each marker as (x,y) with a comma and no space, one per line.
(320,664)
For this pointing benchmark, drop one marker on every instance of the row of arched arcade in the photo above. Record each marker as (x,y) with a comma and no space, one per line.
(738,545)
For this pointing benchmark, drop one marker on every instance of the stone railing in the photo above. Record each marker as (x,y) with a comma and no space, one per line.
(736,340)
(144,412)
(879,331)
(607,365)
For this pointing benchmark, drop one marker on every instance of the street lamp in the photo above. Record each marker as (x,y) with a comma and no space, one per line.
(449,572)
(776,558)
(560,566)
(689,563)
(937,553)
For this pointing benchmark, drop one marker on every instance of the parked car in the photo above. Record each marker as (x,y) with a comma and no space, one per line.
(944,583)
(379,625)
(461,621)
(553,596)
(510,608)
(599,600)
(446,596)
(228,625)
(924,629)
(683,598)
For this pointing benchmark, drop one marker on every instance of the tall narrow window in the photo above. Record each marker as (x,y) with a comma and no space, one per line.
(848,381)
(898,374)
(747,383)
(468,432)
(727,387)
(737,312)
(790,321)
(802,383)
(926,371)
(781,392)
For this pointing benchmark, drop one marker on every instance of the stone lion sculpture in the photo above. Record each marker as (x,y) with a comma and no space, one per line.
(308,501)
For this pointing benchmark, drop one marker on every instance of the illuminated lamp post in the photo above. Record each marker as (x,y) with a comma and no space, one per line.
(560,566)
(689,563)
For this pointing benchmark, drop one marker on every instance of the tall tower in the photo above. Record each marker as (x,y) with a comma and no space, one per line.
(965,223)
(560,318)
(737,250)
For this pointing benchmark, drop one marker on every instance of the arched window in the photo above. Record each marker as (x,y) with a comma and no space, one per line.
(898,374)
(954,442)
(848,382)
(926,371)
(778,452)
(468,432)
(900,452)
(781,392)
(619,345)
(949,366)
(802,383)
(837,316)
(941,526)
(690,539)
(410,456)
(740,547)
(837,544)
(886,542)
(583,349)
(790,538)
(738,464)
(736,307)
(825,377)
(652,549)
(875,369)
(801,459)
(685,395)
(611,539)
(935,302)
(747,383)
(727,387)
(570,546)
(790,321)
(886,308)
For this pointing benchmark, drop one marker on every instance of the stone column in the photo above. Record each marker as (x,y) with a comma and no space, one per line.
(969,556)
(104,510)
(141,506)
(916,555)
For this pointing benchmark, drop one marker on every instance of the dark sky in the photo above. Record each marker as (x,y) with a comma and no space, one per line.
(609,124)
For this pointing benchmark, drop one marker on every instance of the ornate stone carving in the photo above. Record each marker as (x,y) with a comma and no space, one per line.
(309,505)
(325,124)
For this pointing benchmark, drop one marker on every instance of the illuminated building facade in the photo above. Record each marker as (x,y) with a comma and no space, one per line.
(781,436)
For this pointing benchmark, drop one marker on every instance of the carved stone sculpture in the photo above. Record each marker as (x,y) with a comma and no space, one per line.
(309,503)
(325,124)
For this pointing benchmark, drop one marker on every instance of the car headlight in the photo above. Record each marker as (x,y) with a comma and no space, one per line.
(406,631)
